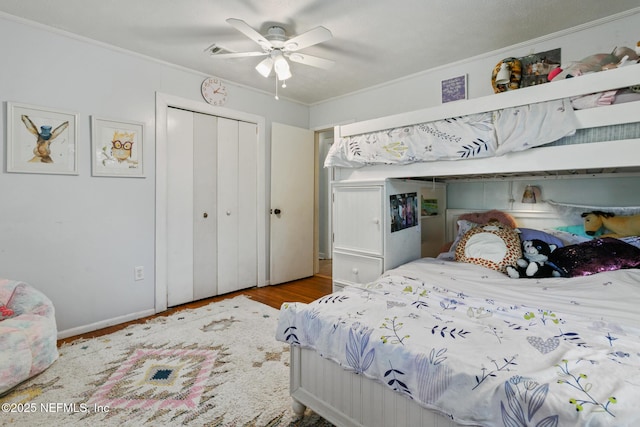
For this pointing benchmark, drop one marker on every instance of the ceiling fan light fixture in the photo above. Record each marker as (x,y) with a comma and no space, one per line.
(265,66)
(281,66)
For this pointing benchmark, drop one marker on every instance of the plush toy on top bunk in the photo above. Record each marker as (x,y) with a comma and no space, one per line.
(598,62)
(620,56)
(619,226)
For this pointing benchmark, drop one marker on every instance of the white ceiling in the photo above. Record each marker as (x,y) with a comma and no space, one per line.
(374,41)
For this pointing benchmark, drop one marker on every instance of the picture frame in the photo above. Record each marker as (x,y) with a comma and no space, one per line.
(537,66)
(454,89)
(403,211)
(117,148)
(41,140)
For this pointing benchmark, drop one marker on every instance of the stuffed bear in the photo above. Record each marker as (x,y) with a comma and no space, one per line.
(534,263)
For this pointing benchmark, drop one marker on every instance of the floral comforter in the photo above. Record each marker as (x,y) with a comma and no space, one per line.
(485,349)
(479,135)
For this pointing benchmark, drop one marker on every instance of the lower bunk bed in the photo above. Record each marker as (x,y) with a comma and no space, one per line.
(443,343)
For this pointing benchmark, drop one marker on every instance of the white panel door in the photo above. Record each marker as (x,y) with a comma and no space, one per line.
(228,211)
(205,255)
(247,205)
(292,203)
(237,205)
(180,207)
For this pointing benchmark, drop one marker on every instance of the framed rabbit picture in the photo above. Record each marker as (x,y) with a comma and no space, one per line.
(41,140)
(116,148)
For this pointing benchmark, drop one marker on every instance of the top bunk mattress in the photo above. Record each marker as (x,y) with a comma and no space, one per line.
(483,129)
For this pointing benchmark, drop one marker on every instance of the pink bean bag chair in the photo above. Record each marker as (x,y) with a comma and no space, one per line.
(28,333)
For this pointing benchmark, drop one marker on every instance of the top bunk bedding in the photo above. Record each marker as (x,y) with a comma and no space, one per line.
(495,125)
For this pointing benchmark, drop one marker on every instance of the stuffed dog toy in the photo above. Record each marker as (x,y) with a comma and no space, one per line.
(534,263)
(620,226)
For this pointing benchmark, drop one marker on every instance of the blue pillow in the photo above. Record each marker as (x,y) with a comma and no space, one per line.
(578,230)
(530,234)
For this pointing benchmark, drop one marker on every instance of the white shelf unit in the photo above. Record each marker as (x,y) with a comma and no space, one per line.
(364,244)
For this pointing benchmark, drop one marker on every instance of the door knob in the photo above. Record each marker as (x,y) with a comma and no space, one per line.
(205,215)
(277,211)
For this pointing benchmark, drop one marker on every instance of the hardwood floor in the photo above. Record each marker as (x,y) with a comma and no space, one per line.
(304,290)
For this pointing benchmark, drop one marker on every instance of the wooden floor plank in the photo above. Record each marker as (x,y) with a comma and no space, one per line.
(303,290)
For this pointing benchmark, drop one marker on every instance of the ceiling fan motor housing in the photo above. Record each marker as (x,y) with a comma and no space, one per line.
(276,36)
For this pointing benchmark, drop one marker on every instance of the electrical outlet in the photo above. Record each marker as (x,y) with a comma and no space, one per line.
(138,273)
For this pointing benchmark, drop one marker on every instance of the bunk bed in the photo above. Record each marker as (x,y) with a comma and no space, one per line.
(485,349)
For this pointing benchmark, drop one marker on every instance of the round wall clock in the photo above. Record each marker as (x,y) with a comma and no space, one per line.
(213,91)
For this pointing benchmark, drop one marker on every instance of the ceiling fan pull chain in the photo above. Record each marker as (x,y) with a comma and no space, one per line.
(277,87)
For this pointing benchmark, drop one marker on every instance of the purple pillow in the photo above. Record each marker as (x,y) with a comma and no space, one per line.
(595,256)
(531,234)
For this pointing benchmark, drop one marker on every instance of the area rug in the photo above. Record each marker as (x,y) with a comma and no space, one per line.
(218,365)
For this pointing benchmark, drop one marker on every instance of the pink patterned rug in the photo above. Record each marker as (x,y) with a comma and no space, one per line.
(218,365)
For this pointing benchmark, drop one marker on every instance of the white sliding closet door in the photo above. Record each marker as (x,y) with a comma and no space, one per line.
(247,205)
(237,201)
(205,246)
(212,214)
(180,207)
(228,209)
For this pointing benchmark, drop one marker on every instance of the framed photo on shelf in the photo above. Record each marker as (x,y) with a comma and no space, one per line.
(404,211)
(41,140)
(537,66)
(454,89)
(116,148)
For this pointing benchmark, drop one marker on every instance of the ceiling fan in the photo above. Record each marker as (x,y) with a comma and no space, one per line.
(277,48)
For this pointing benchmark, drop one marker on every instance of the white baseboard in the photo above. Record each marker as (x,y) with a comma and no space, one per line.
(104,323)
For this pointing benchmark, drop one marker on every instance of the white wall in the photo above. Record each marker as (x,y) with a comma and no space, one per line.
(506,194)
(423,90)
(78,238)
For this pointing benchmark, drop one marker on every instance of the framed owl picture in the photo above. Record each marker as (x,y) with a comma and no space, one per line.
(116,148)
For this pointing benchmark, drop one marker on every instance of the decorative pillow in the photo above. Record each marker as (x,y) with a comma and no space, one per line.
(578,230)
(6,312)
(469,220)
(494,246)
(595,256)
(532,234)
(566,237)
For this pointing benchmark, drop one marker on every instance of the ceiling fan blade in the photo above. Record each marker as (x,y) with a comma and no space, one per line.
(313,61)
(237,55)
(311,37)
(248,31)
